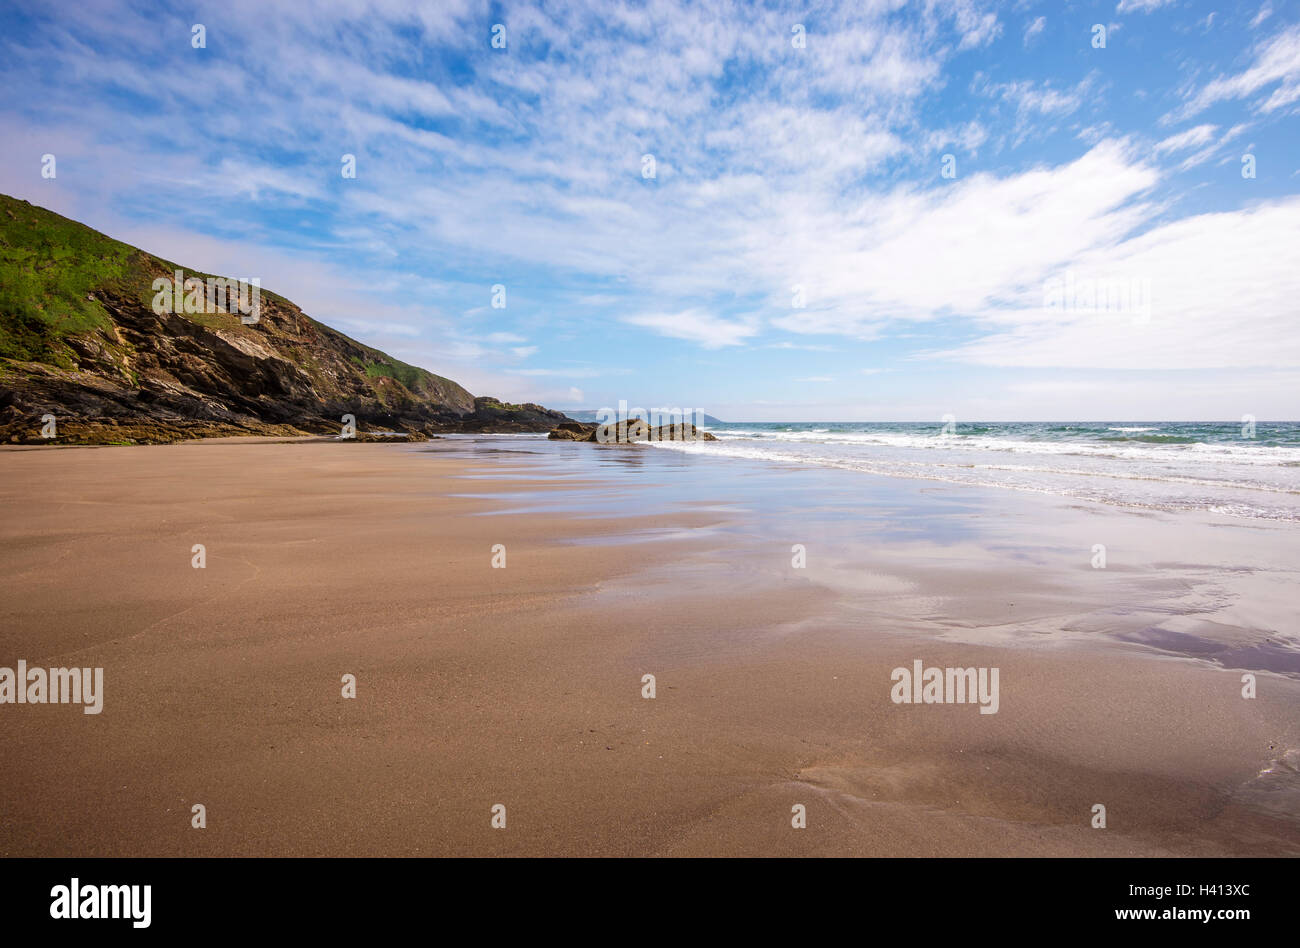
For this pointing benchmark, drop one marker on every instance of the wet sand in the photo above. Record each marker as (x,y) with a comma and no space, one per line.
(522,686)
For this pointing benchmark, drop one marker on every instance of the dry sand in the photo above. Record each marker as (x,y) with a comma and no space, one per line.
(522,686)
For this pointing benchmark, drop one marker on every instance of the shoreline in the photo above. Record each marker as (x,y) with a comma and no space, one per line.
(522,685)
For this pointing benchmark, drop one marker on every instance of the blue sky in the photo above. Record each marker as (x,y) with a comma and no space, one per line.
(798,254)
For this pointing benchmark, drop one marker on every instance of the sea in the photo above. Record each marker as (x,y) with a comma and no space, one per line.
(1231,469)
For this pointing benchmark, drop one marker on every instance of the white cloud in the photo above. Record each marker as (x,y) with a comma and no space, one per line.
(1030,96)
(1034,29)
(968,137)
(1141,6)
(1222,292)
(921,255)
(1214,148)
(983,32)
(1188,139)
(1277,60)
(696,326)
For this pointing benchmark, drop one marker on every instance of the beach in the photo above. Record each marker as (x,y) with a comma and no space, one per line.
(522,684)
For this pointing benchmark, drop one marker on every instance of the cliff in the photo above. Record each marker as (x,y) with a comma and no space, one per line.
(87,336)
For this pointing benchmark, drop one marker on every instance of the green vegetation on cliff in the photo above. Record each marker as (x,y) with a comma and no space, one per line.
(49,269)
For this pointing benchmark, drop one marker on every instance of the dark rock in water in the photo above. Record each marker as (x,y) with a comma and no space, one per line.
(571,431)
(80,341)
(630,431)
(385,437)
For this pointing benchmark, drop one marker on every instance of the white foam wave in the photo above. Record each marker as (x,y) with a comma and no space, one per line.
(1247,452)
(1215,485)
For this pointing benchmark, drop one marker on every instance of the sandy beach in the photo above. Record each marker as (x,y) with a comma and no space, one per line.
(522,686)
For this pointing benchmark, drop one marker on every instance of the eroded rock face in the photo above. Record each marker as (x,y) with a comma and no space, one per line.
(631,431)
(139,376)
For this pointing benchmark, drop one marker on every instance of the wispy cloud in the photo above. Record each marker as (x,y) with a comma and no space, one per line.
(1034,29)
(1188,139)
(1277,63)
(1141,6)
(697,326)
(771,165)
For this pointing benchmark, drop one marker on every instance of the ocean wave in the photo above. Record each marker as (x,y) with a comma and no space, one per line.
(1156,439)
(1227,489)
(1144,447)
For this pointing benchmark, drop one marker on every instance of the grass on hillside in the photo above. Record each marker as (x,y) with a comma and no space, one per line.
(48,267)
(408,375)
(51,267)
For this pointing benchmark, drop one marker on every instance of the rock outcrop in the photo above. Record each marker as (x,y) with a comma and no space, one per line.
(572,431)
(630,431)
(82,343)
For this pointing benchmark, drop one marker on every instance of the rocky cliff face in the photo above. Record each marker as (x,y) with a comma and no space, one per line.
(82,340)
